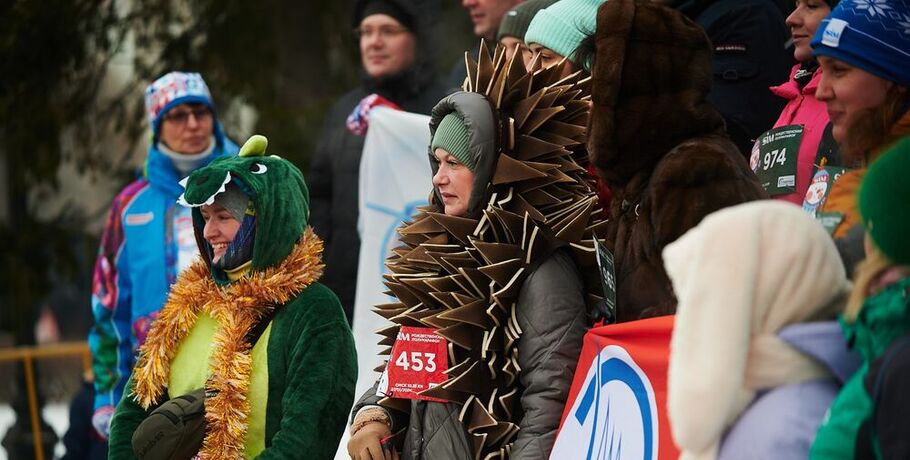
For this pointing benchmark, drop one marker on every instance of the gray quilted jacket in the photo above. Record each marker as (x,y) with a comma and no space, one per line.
(551,312)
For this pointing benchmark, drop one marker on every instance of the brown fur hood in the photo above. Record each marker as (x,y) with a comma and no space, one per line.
(642,104)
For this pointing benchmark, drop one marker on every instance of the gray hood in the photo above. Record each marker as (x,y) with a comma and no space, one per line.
(479,118)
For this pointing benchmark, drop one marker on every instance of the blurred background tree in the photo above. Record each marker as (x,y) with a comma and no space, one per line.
(72,75)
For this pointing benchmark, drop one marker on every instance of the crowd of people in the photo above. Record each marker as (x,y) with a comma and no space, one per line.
(224,287)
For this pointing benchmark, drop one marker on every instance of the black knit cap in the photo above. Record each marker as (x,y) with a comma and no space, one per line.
(391,8)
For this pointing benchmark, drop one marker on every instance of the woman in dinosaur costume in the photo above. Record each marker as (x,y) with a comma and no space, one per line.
(492,264)
(271,392)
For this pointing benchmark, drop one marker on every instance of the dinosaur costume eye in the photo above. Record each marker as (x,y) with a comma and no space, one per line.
(258,168)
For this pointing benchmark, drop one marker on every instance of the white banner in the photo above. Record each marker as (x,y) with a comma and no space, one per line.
(395,179)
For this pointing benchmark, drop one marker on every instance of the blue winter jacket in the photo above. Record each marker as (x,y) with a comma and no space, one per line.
(136,265)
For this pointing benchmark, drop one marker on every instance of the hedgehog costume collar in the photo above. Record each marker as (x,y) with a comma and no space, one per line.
(462,275)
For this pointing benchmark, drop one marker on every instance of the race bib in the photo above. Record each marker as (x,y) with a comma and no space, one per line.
(774,158)
(607,279)
(418,362)
(820,187)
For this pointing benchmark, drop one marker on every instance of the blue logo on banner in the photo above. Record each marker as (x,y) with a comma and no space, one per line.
(614,416)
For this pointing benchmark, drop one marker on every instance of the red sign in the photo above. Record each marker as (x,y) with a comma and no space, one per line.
(418,362)
(617,403)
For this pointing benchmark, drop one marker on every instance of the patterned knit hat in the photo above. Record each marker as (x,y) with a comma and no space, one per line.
(873,35)
(884,203)
(452,136)
(562,26)
(516,21)
(172,89)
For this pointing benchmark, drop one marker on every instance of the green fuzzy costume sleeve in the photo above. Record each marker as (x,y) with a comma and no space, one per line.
(312,373)
(126,419)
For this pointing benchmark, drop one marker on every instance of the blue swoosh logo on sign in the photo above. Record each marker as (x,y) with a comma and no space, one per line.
(615,369)
(399,216)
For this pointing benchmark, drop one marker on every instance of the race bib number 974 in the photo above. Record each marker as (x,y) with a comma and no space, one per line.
(418,362)
(774,158)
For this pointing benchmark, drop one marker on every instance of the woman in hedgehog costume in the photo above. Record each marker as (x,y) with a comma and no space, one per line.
(494,265)
(280,357)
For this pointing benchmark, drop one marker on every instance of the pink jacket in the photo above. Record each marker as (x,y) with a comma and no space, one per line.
(802,109)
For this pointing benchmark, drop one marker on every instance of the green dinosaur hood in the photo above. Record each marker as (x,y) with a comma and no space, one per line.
(276,188)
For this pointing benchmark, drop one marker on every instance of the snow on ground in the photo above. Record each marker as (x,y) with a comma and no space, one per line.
(56,415)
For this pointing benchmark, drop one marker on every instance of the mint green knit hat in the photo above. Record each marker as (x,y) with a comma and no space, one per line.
(452,136)
(563,25)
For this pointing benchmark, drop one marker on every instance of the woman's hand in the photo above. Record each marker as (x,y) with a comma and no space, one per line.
(366,443)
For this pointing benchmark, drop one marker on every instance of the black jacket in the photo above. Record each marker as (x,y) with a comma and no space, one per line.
(335,168)
(749,38)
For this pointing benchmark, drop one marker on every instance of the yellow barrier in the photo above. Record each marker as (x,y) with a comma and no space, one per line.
(28,355)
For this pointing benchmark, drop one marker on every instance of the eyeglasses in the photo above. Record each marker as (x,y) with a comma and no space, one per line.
(180,117)
(383,31)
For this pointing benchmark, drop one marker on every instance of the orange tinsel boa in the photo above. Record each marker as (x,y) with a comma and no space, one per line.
(237,307)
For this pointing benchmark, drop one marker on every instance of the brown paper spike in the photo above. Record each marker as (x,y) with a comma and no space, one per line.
(549,97)
(494,253)
(479,416)
(422,226)
(509,170)
(438,323)
(473,313)
(460,227)
(463,335)
(469,381)
(515,70)
(387,311)
(484,68)
(557,139)
(446,299)
(471,68)
(511,222)
(501,273)
(571,93)
(442,283)
(476,281)
(540,116)
(574,229)
(402,293)
(524,108)
(568,130)
(529,148)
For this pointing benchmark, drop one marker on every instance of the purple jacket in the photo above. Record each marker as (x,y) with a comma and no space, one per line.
(781,423)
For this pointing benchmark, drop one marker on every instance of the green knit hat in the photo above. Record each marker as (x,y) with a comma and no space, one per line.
(452,136)
(516,21)
(884,202)
(562,26)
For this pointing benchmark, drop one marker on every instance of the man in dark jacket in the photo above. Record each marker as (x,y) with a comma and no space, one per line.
(395,43)
(749,38)
(486,15)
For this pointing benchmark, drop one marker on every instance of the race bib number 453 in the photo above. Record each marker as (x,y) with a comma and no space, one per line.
(418,362)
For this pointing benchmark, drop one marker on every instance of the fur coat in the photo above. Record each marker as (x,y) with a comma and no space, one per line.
(658,145)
